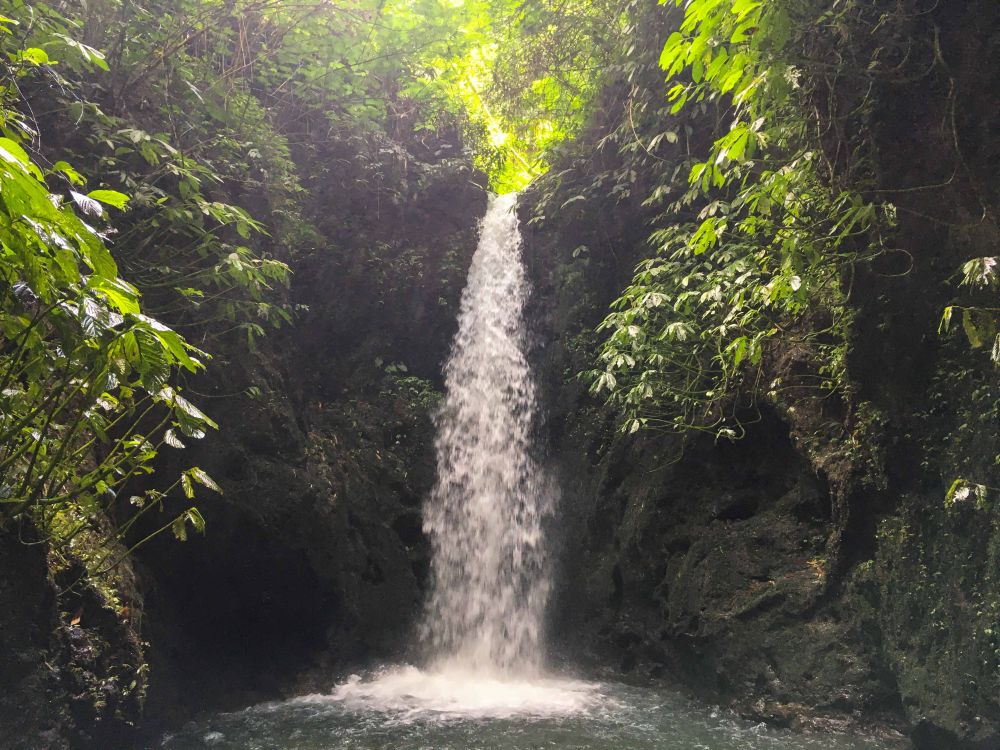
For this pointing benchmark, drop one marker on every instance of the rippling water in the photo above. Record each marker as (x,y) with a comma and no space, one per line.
(407,709)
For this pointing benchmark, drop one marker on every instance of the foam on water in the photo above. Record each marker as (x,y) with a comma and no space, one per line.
(410,694)
(406,709)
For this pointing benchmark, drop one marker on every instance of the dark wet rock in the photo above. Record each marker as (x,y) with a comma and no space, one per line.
(812,571)
(71,663)
(714,565)
(27,621)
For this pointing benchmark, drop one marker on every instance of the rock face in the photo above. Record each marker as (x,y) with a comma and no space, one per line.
(71,664)
(27,620)
(808,580)
(706,564)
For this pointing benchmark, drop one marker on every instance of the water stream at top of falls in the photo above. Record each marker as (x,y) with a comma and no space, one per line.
(486,513)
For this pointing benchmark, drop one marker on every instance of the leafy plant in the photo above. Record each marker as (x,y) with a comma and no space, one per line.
(753,248)
(978,321)
(85,394)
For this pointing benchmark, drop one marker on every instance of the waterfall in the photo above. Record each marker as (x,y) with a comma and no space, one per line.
(485,515)
(485,519)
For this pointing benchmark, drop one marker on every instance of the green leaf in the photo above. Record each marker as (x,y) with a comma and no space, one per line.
(962,490)
(88,54)
(109,197)
(179,528)
(12,152)
(35,56)
(98,257)
(172,342)
(87,204)
(119,293)
(65,168)
(979,326)
(196,520)
(204,479)
(153,366)
(945,325)
(185,407)
(171,439)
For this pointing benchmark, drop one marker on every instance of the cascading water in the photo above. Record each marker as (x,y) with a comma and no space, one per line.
(485,515)
(482,628)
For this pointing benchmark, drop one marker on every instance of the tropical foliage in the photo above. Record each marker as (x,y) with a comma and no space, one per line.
(155,163)
(754,237)
(85,377)
(153,155)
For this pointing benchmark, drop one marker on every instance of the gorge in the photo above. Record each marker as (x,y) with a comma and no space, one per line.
(310,440)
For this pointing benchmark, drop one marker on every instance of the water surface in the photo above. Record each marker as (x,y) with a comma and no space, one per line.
(406,709)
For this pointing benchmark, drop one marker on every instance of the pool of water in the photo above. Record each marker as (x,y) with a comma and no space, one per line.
(407,709)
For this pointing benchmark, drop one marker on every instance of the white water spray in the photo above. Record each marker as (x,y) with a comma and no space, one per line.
(484,518)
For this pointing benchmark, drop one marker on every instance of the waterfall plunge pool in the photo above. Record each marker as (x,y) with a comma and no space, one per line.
(403,708)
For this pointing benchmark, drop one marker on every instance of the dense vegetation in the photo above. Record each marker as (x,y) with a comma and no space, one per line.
(816,185)
(171,126)
(180,115)
(161,168)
